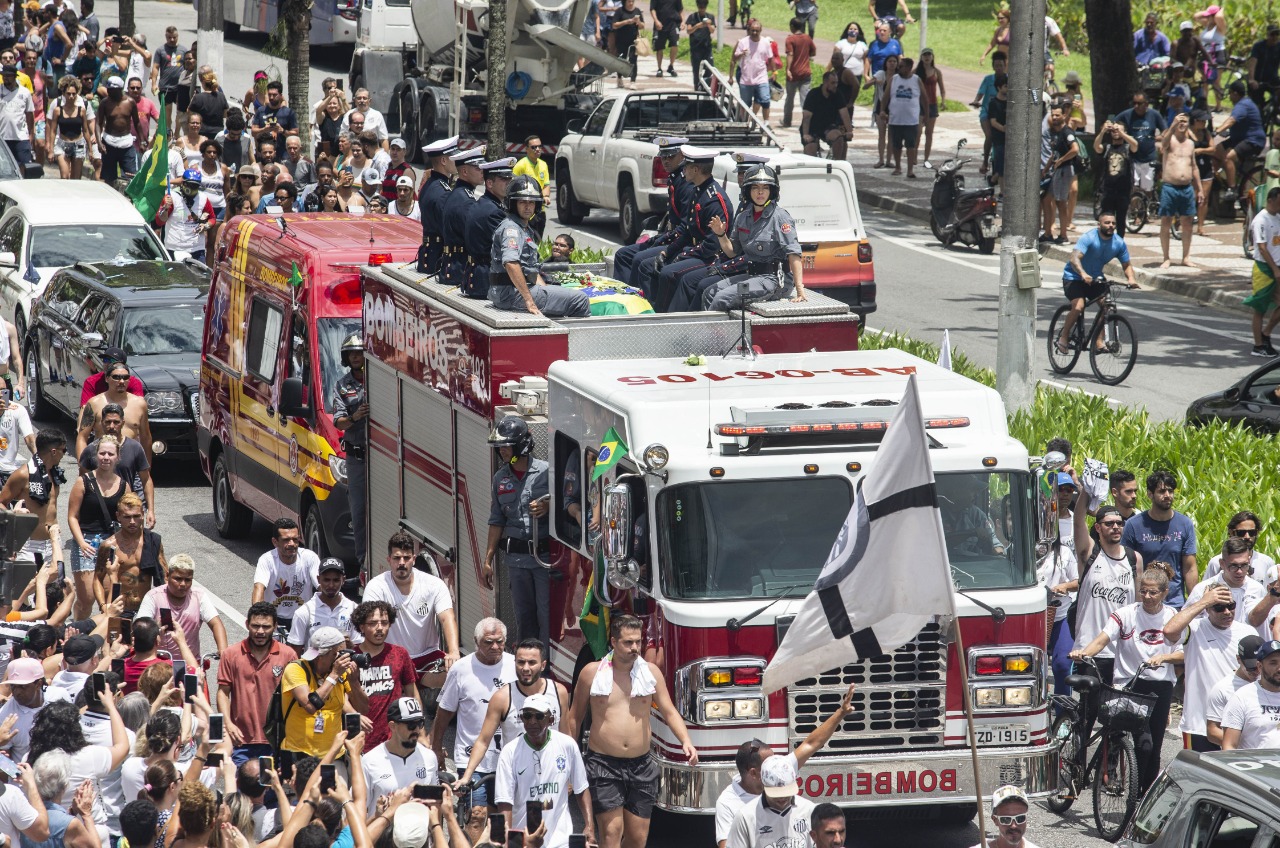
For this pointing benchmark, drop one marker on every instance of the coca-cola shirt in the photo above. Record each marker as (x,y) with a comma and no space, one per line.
(1104,588)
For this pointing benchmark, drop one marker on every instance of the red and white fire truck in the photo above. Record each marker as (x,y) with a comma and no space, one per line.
(739,473)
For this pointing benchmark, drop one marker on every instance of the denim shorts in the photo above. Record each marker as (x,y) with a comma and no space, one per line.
(755,94)
(1177,201)
(78,562)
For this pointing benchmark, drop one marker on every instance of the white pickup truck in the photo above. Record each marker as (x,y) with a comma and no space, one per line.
(609,161)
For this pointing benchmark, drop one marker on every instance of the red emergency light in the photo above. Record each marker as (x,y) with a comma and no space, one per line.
(989,665)
(346,292)
(379,258)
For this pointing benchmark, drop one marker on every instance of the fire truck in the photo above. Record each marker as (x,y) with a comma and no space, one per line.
(745,436)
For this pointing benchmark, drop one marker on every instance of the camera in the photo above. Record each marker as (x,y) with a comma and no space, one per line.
(360,658)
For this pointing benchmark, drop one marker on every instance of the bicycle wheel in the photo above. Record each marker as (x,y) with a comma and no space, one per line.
(1115,785)
(1113,349)
(1249,185)
(1062,363)
(1061,797)
(1136,218)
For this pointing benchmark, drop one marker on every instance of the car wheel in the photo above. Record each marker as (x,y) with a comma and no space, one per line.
(313,532)
(568,212)
(629,215)
(20,324)
(40,408)
(231,518)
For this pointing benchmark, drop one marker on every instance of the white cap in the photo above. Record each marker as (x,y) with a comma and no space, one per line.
(397,141)
(698,154)
(405,180)
(1185,25)
(443,147)
(778,776)
(469,157)
(1008,793)
(322,639)
(369,176)
(411,826)
(541,702)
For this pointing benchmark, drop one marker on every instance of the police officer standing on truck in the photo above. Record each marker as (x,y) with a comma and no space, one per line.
(351,418)
(709,202)
(482,222)
(679,199)
(515,282)
(519,496)
(434,191)
(453,265)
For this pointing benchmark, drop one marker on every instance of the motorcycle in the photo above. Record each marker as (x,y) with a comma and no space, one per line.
(956,215)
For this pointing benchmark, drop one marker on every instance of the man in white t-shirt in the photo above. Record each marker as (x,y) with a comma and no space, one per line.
(1251,719)
(15,433)
(1210,650)
(1264,235)
(543,767)
(1264,612)
(328,607)
(1009,809)
(402,760)
(751,755)
(420,601)
(26,679)
(287,575)
(1236,560)
(781,817)
(22,811)
(1246,525)
(903,98)
(373,119)
(1246,672)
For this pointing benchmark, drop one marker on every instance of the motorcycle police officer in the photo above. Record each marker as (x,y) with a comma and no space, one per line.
(351,418)
(679,199)
(453,265)
(520,495)
(709,202)
(766,234)
(482,221)
(434,191)
(515,283)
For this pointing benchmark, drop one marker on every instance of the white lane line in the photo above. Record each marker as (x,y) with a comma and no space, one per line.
(232,614)
(912,245)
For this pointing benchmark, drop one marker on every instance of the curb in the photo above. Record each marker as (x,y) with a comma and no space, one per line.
(1226,295)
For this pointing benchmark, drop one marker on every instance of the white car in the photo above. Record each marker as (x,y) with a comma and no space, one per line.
(46,225)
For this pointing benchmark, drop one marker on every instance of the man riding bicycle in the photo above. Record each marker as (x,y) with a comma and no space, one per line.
(1264,66)
(1091,254)
(1245,136)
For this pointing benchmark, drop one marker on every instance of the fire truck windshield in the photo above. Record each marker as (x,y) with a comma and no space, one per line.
(753,538)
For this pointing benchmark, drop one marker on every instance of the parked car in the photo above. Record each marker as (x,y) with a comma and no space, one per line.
(46,225)
(1252,401)
(153,310)
(1220,800)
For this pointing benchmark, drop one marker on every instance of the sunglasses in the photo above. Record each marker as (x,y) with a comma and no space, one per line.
(532,715)
(1021,818)
(1223,607)
(412,725)
(119,377)
(1111,523)
(1245,532)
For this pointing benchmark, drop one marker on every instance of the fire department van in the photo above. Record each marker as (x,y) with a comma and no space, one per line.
(270,363)
(739,473)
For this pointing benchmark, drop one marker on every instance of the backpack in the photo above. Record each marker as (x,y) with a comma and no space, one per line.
(1097,549)
(277,712)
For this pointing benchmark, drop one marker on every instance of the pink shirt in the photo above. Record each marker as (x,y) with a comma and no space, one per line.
(194,611)
(754,58)
(146,111)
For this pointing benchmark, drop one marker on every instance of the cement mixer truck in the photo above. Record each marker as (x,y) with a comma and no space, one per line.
(434,87)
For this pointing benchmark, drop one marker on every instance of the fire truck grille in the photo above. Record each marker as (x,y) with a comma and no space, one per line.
(900,700)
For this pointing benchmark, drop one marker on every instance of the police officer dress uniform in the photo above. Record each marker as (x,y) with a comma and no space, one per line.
(348,395)
(514,241)
(679,198)
(709,202)
(431,207)
(482,221)
(453,263)
(767,241)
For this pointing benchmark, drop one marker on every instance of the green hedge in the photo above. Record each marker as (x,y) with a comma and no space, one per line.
(1221,468)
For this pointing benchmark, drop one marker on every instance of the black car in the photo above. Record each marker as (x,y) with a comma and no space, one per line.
(1252,402)
(154,310)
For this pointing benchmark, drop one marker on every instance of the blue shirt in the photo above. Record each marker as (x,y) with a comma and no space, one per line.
(1162,541)
(1144,129)
(987,91)
(1146,50)
(1096,252)
(1247,124)
(879,51)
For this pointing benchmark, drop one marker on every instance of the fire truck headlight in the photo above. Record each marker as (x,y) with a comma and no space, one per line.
(338,466)
(988,697)
(1017,696)
(746,708)
(713,710)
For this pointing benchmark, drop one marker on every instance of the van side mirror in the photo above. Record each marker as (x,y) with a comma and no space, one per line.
(8,259)
(1047,496)
(92,340)
(291,399)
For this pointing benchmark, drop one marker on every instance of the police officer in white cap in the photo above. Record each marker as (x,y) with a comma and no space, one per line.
(1009,808)
(482,222)
(515,281)
(434,191)
(453,265)
(679,199)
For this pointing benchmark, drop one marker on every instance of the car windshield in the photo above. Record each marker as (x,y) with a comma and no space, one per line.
(758,538)
(331,332)
(151,330)
(66,244)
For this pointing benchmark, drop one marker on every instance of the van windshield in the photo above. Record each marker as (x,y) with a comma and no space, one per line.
(66,244)
(330,332)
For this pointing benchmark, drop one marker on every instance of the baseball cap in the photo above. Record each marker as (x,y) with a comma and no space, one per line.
(779,778)
(1185,25)
(80,649)
(1264,651)
(406,181)
(114,354)
(1008,793)
(332,564)
(410,826)
(398,142)
(25,670)
(540,702)
(115,82)
(1273,28)
(1072,78)
(322,639)
(404,710)
(9,69)
(84,625)
(1248,647)
(369,176)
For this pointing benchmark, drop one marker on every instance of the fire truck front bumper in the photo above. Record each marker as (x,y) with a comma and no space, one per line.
(906,778)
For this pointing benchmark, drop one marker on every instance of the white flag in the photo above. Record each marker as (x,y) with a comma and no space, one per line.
(887,575)
(944,355)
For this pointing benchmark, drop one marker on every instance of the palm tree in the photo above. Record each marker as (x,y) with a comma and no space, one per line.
(297,23)
(496,82)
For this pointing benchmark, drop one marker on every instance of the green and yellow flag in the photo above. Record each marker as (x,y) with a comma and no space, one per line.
(594,620)
(612,449)
(148,186)
(295,279)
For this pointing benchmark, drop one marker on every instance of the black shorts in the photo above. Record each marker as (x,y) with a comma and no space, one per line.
(1079,288)
(1245,149)
(629,783)
(668,36)
(903,135)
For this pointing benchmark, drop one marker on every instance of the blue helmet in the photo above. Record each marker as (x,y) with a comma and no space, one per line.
(192,175)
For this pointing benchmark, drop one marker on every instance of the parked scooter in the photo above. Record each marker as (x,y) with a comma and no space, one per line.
(956,215)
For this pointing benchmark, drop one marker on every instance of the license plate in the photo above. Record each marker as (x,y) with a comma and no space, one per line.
(1003,734)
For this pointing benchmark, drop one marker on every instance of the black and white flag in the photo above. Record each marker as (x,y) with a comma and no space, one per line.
(887,574)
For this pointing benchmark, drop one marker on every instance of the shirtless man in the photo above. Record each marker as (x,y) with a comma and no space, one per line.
(120,129)
(619,690)
(1180,193)
(132,462)
(136,423)
(133,557)
(34,485)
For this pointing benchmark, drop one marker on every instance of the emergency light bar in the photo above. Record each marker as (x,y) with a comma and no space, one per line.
(739,430)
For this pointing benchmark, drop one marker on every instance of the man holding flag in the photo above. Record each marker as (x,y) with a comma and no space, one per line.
(148,187)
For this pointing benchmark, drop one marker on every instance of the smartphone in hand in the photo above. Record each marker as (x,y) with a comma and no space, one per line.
(328,778)
(351,724)
(190,685)
(265,764)
(215,727)
(166,618)
(532,815)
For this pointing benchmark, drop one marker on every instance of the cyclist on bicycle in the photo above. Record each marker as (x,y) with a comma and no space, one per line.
(1052,32)
(1264,66)
(887,11)
(1091,254)
(1142,651)
(1245,136)
(825,117)
(1149,42)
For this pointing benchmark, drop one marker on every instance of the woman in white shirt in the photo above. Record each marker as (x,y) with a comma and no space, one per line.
(1058,574)
(58,726)
(855,67)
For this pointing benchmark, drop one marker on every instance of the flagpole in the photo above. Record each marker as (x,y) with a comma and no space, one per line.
(973,737)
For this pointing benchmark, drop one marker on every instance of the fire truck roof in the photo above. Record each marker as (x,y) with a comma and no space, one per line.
(325,232)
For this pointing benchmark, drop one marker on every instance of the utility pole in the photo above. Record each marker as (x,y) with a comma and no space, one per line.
(924,25)
(1016,333)
(209,35)
(496,78)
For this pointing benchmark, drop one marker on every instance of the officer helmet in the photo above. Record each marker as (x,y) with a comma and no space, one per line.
(762,175)
(351,343)
(512,432)
(523,188)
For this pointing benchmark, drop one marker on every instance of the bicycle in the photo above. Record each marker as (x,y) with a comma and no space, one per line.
(1113,344)
(1112,772)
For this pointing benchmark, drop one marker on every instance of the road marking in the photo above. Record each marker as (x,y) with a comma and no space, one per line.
(918,248)
(222,606)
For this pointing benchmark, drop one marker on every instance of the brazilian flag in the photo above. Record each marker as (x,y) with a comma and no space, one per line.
(595,617)
(148,186)
(612,449)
